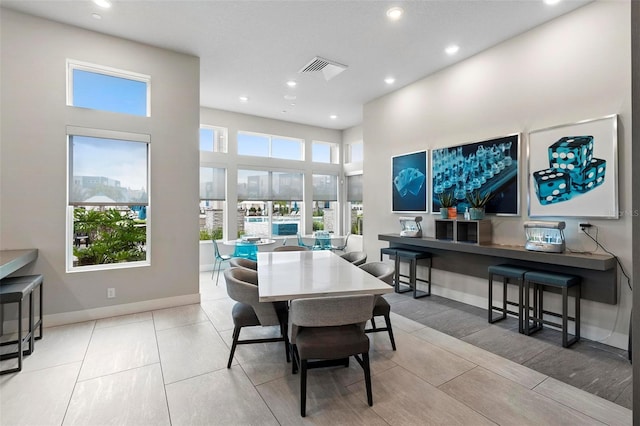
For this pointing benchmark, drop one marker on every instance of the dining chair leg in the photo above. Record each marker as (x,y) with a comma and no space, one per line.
(295,359)
(367,377)
(303,387)
(283,331)
(236,335)
(373,323)
(387,320)
(213,271)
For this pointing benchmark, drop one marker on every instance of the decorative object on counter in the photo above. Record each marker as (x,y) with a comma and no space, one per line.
(488,166)
(545,236)
(573,169)
(410,226)
(448,209)
(409,192)
(477,202)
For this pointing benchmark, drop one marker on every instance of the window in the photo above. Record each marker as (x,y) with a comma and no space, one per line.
(324,152)
(270,202)
(107,197)
(259,145)
(354,199)
(107,89)
(325,202)
(355,152)
(213,139)
(212,202)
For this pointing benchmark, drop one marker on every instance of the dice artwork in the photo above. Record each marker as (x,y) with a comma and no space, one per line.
(572,170)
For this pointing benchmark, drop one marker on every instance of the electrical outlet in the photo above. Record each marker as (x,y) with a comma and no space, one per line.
(111,293)
(584,226)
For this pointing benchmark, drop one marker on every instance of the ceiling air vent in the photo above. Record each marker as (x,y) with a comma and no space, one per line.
(328,68)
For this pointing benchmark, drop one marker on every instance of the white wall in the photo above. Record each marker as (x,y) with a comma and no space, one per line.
(574,68)
(34,165)
(235,122)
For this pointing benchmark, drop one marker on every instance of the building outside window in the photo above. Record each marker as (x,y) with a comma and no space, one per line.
(325,202)
(213,139)
(354,206)
(212,202)
(270,202)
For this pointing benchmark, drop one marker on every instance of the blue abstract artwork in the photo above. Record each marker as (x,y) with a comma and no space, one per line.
(409,176)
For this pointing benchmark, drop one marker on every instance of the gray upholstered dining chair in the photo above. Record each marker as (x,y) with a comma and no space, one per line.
(242,286)
(355,257)
(290,248)
(241,262)
(383,271)
(329,328)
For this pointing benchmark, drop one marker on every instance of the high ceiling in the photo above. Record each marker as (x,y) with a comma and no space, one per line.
(252,48)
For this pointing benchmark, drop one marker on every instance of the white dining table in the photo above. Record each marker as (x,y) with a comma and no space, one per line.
(289,275)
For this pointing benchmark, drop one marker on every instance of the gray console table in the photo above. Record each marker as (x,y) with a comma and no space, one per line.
(599,272)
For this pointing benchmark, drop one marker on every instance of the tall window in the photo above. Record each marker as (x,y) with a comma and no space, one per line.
(260,145)
(270,202)
(325,152)
(354,152)
(325,202)
(354,199)
(107,89)
(108,198)
(212,202)
(213,139)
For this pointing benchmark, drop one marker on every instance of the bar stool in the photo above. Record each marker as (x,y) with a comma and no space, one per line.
(510,275)
(412,257)
(14,290)
(538,280)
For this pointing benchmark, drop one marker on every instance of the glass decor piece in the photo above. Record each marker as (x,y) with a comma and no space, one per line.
(410,226)
(545,236)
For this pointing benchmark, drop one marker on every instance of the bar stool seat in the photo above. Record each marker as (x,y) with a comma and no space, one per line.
(404,255)
(508,273)
(14,290)
(538,280)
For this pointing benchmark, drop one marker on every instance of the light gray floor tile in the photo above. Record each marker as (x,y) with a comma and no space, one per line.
(208,288)
(402,323)
(191,350)
(224,397)
(589,404)
(219,313)
(427,361)
(506,402)
(179,316)
(586,367)
(38,397)
(402,398)
(119,348)
(502,366)
(328,401)
(59,345)
(133,397)
(514,346)
(124,319)
(454,322)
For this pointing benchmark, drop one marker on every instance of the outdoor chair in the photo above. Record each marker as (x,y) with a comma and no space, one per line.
(218,259)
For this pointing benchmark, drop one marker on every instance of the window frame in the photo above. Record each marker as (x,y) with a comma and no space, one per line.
(270,138)
(72,64)
(222,130)
(334,152)
(70,207)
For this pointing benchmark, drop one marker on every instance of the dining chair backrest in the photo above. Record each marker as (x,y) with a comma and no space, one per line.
(240,262)
(329,312)
(355,257)
(290,248)
(242,286)
(343,246)
(382,270)
(216,250)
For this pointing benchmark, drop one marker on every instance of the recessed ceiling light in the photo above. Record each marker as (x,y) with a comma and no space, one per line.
(96,16)
(105,4)
(333,116)
(551,2)
(291,83)
(452,49)
(395,13)
(244,99)
(389,80)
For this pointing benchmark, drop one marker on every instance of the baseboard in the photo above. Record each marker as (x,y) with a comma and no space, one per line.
(117,310)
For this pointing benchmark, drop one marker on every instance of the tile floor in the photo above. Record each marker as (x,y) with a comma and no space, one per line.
(169,367)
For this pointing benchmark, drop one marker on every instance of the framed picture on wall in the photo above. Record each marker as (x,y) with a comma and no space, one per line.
(489,166)
(409,182)
(573,169)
